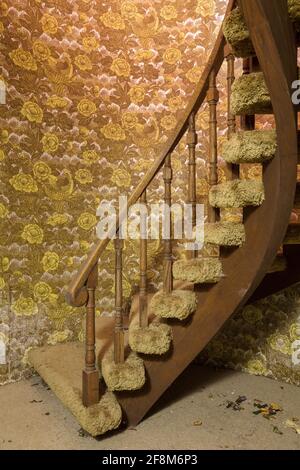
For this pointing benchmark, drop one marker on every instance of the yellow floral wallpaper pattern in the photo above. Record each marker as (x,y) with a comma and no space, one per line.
(94,89)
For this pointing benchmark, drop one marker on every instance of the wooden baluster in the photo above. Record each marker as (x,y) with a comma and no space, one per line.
(168,257)
(234,170)
(192,142)
(143,305)
(247,121)
(90,375)
(213,98)
(230,59)
(119,327)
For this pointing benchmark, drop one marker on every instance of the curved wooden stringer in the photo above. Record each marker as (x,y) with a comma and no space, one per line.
(244,267)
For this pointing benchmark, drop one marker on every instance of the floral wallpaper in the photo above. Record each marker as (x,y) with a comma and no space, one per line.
(263,339)
(94,89)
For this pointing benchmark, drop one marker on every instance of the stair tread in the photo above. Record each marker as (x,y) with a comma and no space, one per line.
(198,270)
(128,375)
(250,95)
(61,367)
(178,304)
(225,233)
(256,146)
(237,34)
(237,193)
(154,339)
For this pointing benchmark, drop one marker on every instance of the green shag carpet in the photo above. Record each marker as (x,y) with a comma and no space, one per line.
(237,34)
(225,234)
(250,147)
(154,339)
(198,270)
(128,375)
(294,10)
(179,304)
(250,95)
(237,193)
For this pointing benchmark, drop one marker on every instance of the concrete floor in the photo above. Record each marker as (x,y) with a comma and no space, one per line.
(32,418)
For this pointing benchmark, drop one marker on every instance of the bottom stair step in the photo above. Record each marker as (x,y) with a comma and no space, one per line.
(60,366)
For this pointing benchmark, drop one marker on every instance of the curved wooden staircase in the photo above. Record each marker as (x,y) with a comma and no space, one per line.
(241,272)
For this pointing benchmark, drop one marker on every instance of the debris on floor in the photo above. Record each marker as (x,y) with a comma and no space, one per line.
(293,424)
(277,430)
(236,405)
(82,433)
(197,423)
(266,410)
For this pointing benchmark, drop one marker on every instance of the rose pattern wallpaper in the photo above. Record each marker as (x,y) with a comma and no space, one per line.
(94,89)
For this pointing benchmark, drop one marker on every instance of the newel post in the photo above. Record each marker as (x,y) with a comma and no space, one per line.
(90,375)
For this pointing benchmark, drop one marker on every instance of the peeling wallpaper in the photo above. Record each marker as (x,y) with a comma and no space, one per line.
(94,89)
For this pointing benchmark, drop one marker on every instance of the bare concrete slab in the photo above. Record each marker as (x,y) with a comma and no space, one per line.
(193,414)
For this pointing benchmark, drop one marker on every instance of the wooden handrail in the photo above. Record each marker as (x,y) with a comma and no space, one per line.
(76,294)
